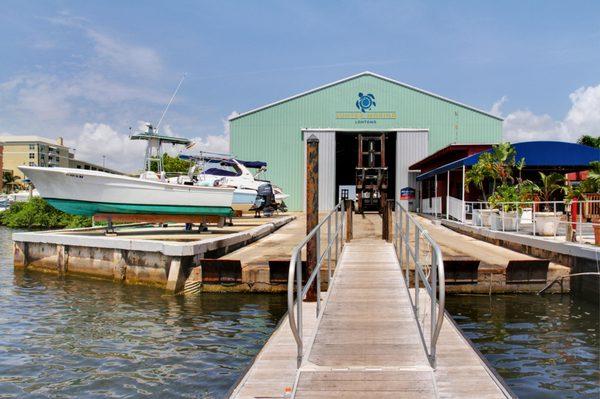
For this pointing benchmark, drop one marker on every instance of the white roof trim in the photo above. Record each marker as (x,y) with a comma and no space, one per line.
(366,73)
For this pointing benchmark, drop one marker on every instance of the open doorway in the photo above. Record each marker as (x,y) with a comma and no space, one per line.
(346,160)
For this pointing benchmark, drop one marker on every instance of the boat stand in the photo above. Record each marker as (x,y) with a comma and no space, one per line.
(202,220)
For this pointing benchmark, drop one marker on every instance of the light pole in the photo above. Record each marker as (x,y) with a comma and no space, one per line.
(103,161)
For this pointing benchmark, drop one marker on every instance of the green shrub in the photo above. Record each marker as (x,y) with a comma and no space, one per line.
(38,214)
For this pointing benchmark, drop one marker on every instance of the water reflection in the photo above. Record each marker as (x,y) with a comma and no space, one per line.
(543,346)
(70,337)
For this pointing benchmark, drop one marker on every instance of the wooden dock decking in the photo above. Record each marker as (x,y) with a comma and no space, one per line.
(366,344)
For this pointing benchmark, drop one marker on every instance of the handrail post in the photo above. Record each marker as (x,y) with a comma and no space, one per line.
(407,246)
(396,235)
(318,271)
(417,268)
(434,266)
(337,242)
(299,300)
(329,242)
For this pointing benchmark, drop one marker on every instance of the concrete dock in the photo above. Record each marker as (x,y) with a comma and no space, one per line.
(365,343)
(159,256)
(492,264)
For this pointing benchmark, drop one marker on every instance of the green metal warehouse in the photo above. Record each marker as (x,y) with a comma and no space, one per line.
(416,123)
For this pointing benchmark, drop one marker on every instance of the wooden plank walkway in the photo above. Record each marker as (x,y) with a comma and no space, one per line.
(366,343)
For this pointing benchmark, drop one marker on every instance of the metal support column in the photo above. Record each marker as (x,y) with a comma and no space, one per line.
(448,195)
(462,213)
(435,210)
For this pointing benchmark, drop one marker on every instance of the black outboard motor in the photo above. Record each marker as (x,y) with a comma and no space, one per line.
(265,200)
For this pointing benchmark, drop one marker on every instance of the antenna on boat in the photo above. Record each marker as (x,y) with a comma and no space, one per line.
(169,104)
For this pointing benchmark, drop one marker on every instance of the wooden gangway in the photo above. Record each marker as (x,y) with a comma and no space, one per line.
(366,342)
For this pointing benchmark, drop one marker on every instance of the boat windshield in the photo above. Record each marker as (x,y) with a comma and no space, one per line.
(221,169)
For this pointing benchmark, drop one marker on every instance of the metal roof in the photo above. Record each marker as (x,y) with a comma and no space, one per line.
(539,154)
(366,73)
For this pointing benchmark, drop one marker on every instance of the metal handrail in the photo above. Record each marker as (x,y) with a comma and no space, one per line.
(517,223)
(337,214)
(433,282)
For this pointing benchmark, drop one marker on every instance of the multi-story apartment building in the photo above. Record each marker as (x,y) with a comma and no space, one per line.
(40,151)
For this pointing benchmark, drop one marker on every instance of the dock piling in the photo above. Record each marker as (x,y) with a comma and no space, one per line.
(386,225)
(349,211)
(312,209)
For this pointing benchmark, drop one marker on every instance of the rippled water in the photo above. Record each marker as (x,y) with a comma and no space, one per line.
(543,346)
(74,338)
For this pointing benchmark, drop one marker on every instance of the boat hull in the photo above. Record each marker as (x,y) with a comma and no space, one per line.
(89,208)
(83,192)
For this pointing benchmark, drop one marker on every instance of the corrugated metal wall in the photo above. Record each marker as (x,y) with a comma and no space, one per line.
(411,146)
(326,168)
(274,134)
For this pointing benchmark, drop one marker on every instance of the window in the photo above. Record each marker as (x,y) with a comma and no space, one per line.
(31,147)
(42,157)
(31,155)
(78,166)
(31,163)
(87,167)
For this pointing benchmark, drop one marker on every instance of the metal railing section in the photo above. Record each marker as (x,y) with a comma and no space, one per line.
(335,241)
(428,273)
(534,217)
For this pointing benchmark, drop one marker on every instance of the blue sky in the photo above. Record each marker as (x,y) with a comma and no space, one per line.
(89,70)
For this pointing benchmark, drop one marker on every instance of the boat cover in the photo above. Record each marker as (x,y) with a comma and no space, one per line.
(224,161)
(220,172)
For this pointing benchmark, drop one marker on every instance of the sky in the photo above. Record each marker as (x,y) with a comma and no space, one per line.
(90,70)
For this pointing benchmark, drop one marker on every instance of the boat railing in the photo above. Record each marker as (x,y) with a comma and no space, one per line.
(416,250)
(334,222)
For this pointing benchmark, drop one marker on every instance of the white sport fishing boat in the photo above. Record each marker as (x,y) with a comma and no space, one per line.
(220,170)
(86,192)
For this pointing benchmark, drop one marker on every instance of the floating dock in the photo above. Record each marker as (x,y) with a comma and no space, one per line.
(365,343)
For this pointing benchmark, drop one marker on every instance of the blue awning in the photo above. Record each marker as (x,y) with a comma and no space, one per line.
(537,154)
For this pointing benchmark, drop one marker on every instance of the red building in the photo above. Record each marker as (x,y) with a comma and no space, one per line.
(446,155)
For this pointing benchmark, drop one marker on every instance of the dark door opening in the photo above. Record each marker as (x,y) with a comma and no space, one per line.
(346,159)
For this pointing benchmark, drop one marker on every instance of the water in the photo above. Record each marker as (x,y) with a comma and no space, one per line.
(543,346)
(73,338)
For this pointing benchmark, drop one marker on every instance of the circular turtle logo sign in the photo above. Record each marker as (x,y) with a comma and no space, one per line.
(365,102)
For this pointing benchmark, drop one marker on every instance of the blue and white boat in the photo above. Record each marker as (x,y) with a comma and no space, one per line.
(222,170)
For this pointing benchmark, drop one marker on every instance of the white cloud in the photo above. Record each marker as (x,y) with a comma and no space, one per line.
(112,52)
(497,107)
(215,142)
(98,139)
(136,60)
(582,118)
(45,102)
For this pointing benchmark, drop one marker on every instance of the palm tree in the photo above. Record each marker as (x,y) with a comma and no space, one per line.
(550,184)
(8,181)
